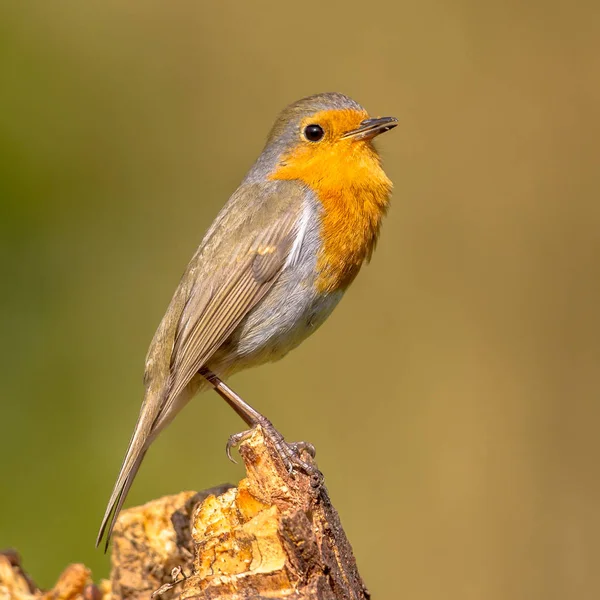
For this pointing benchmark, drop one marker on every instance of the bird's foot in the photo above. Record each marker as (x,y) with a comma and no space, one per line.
(290,453)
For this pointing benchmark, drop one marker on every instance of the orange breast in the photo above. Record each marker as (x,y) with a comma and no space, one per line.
(354,191)
(350,226)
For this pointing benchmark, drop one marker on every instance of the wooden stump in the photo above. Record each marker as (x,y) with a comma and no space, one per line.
(275,535)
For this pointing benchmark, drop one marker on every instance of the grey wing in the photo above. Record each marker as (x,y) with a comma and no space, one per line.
(263,239)
(208,319)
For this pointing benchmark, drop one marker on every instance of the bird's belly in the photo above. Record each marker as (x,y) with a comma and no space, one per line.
(291,312)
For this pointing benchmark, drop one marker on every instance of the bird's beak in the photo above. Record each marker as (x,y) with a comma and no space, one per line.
(370,128)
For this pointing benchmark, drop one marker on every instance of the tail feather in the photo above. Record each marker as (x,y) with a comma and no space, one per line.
(116,501)
(143,435)
(155,415)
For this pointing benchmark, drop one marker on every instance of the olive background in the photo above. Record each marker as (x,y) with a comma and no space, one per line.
(453,397)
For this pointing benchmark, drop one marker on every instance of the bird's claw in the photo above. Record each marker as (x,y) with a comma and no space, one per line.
(300,447)
(235,440)
(290,453)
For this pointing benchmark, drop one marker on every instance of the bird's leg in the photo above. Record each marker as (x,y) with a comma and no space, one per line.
(289,452)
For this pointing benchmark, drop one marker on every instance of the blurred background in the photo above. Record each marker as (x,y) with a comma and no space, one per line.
(453,397)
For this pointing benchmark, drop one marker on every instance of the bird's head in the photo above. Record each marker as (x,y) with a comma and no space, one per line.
(326,141)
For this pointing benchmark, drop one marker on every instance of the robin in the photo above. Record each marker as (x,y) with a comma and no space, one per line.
(269,271)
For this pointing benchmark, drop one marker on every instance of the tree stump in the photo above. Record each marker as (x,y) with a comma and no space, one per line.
(275,535)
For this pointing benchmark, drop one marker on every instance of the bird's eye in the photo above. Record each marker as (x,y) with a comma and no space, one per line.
(313,133)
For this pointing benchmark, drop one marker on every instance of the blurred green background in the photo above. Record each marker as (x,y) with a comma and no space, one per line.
(453,397)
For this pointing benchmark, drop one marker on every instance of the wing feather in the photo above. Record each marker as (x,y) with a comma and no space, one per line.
(254,238)
(206,325)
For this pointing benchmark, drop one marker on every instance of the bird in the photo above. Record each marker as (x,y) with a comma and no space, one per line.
(271,268)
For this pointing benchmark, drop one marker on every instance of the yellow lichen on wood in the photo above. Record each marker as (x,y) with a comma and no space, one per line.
(274,536)
(236,538)
(145,548)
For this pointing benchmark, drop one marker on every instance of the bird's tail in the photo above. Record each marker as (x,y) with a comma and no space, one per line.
(116,501)
(143,435)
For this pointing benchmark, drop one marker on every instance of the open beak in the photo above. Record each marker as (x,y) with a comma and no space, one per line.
(370,128)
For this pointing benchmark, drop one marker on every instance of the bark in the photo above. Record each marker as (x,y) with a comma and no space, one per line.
(275,535)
